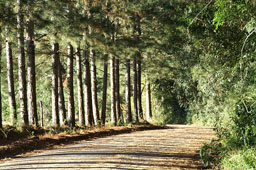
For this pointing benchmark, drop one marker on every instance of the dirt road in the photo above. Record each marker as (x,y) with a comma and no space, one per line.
(173,148)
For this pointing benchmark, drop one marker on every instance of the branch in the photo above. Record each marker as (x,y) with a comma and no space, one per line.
(254,30)
(199,13)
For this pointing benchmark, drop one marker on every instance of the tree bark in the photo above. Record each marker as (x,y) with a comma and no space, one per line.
(12,101)
(70,86)
(1,116)
(104,95)
(21,65)
(55,75)
(80,88)
(117,91)
(94,89)
(87,91)
(139,89)
(32,108)
(148,99)
(128,92)
(112,85)
(62,108)
(135,97)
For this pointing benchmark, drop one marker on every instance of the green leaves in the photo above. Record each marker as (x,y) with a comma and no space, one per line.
(251,25)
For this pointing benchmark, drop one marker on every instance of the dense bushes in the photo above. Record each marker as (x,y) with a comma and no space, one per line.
(240,159)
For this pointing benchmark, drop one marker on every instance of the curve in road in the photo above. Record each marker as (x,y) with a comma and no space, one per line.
(174,148)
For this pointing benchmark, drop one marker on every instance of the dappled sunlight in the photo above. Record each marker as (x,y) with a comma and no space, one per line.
(174,148)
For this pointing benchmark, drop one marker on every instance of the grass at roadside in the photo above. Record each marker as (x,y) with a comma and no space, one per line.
(224,157)
(241,159)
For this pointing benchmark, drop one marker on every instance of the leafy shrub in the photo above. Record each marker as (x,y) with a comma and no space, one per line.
(244,122)
(209,152)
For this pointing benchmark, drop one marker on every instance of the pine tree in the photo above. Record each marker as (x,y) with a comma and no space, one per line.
(135,85)
(112,87)
(21,64)
(117,91)
(104,94)
(148,99)
(94,88)
(62,108)
(55,75)
(128,92)
(12,101)
(80,88)
(87,91)
(139,88)
(32,107)
(70,85)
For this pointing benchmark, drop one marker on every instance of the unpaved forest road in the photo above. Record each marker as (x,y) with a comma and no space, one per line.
(173,148)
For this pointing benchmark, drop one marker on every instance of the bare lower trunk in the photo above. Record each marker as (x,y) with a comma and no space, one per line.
(112,85)
(128,92)
(62,108)
(80,88)
(117,91)
(12,101)
(87,91)
(1,119)
(135,89)
(55,70)
(70,85)
(148,99)
(32,108)
(104,96)
(94,89)
(21,66)
(139,102)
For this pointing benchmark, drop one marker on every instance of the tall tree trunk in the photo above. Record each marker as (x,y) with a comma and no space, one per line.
(80,88)
(12,101)
(32,108)
(1,116)
(135,97)
(139,89)
(62,108)
(128,92)
(21,65)
(87,91)
(117,91)
(104,95)
(55,75)
(148,99)
(94,89)
(112,85)
(70,85)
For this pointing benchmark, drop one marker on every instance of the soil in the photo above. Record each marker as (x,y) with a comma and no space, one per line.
(24,144)
(150,147)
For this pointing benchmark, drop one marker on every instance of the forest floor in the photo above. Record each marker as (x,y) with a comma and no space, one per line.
(148,147)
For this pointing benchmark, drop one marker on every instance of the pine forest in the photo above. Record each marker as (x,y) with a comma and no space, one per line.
(85,64)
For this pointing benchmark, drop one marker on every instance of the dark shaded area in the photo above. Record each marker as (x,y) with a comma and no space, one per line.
(169,97)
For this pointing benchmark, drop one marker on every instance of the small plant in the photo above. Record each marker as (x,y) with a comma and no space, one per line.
(209,152)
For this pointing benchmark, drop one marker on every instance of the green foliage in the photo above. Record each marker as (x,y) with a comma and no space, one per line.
(241,159)
(244,121)
(209,152)
(170,110)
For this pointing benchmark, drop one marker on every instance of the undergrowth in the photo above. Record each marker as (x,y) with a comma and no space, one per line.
(242,159)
